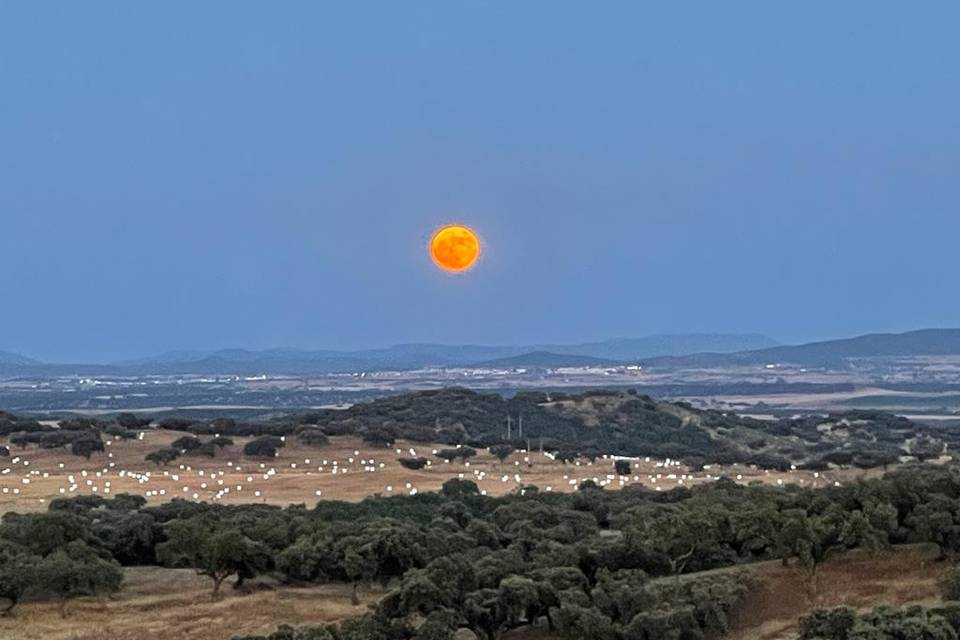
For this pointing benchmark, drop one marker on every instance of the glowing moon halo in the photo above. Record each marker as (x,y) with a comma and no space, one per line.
(455,248)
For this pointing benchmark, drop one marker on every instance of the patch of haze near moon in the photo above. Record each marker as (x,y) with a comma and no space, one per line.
(455,248)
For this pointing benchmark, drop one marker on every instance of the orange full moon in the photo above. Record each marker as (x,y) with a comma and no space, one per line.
(455,247)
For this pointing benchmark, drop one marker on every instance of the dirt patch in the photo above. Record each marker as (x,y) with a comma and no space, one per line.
(781,595)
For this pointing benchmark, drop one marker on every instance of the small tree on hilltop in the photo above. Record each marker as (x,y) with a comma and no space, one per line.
(263,447)
(86,447)
(313,437)
(208,449)
(131,421)
(458,488)
(501,452)
(380,436)
(186,443)
(448,454)
(414,464)
(162,456)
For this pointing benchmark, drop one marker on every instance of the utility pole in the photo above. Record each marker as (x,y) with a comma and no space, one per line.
(521,428)
(509,429)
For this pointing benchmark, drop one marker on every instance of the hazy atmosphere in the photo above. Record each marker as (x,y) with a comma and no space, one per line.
(226,176)
(500,320)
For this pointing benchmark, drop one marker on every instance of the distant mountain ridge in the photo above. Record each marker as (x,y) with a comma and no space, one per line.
(547,360)
(684,350)
(399,357)
(626,349)
(922,342)
(15,359)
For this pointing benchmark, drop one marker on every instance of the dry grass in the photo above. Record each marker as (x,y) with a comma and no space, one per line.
(163,603)
(857,579)
(780,595)
(176,603)
(296,481)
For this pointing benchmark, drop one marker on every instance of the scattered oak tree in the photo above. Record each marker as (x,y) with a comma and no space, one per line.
(212,551)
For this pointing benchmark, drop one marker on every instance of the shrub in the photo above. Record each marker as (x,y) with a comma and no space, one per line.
(163,456)
(448,454)
(76,570)
(118,431)
(951,584)
(131,421)
(186,443)
(263,447)
(86,447)
(380,436)
(208,449)
(413,463)
(312,436)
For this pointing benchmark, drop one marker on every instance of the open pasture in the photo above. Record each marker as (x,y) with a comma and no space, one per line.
(345,469)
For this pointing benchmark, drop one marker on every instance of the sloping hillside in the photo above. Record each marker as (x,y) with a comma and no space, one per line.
(631,424)
(547,359)
(8,358)
(831,352)
(779,596)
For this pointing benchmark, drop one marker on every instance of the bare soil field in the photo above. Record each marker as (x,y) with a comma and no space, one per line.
(176,603)
(346,469)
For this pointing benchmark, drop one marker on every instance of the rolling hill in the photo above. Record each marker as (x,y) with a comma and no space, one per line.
(398,357)
(631,424)
(14,359)
(924,342)
(547,360)
(647,351)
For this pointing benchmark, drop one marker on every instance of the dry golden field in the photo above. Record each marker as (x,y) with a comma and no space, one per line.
(166,603)
(346,469)
(174,604)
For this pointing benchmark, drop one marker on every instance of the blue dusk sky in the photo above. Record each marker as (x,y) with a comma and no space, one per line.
(197,175)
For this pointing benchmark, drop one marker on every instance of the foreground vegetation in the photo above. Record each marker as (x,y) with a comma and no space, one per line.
(611,565)
(594,564)
(884,623)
